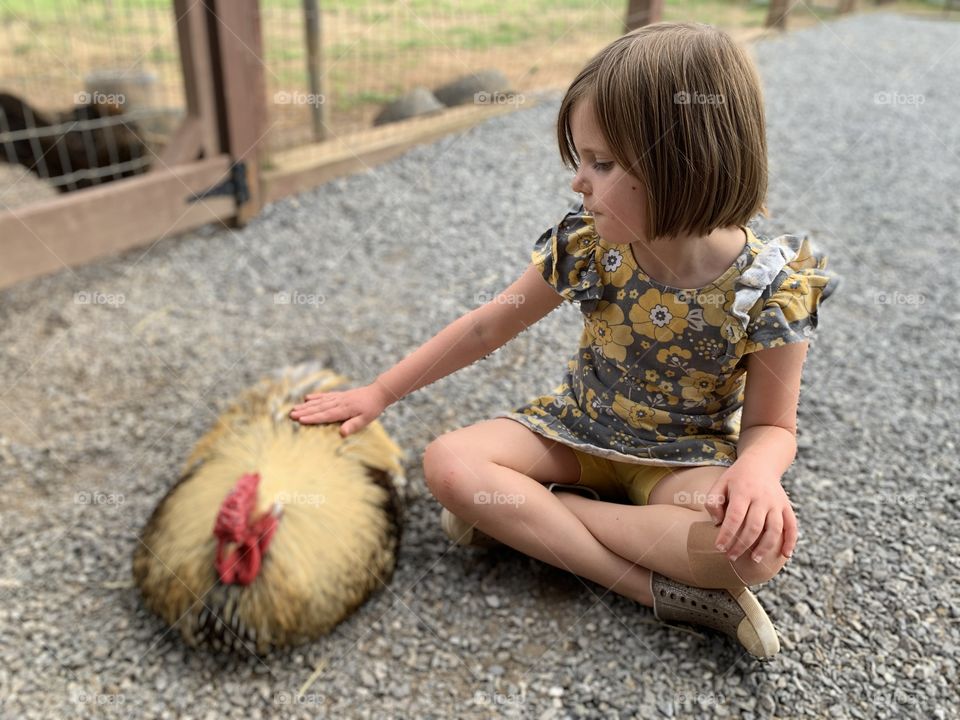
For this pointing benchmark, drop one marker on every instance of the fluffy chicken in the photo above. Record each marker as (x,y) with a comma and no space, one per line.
(275,531)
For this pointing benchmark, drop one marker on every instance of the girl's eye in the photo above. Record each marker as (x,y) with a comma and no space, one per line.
(602,166)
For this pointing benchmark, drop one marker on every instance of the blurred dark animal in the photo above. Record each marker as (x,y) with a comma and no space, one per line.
(63,145)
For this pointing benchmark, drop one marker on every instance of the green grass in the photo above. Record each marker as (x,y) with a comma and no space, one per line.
(162,55)
(488,25)
(502,34)
(70,8)
(344,99)
(278,52)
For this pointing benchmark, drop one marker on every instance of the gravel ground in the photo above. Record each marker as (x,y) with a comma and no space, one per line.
(103,399)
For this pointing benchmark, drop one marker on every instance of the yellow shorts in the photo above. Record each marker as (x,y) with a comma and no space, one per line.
(618,481)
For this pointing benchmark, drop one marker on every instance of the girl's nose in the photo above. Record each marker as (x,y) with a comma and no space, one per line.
(578,184)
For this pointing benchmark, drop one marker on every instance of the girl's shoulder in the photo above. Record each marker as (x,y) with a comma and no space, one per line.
(773,260)
(566,256)
(778,293)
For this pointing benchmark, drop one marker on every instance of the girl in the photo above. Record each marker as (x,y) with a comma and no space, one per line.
(654,467)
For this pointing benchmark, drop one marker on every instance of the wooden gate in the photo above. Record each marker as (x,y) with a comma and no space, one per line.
(208,172)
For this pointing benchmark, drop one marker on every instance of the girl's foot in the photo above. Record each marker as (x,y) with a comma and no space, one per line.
(463,533)
(735,612)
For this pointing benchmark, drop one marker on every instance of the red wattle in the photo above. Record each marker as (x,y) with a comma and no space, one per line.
(242,564)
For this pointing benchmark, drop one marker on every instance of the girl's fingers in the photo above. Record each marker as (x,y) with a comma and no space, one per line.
(789,532)
(308,412)
(732,520)
(715,501)
(771,537)
(750,531)
(314,405)
(321,396)
(314,419)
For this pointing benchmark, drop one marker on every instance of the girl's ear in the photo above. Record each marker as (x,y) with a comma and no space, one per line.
(764,211)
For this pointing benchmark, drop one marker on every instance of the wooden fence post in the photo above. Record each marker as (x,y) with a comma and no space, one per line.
(318,102)
(241,93)
(198,135)
(642,12)
(777,14)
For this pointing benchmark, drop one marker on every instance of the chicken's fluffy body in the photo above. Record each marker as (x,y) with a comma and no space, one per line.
(338,533)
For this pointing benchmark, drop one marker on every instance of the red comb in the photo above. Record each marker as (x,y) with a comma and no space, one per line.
(233,525)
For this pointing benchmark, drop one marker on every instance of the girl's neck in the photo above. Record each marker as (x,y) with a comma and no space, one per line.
(690,262)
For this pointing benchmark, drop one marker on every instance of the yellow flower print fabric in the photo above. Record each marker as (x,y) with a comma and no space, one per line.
(659,374)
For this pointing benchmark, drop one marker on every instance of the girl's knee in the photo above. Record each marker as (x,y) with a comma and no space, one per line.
(711,568)
(756,573)
(450,474)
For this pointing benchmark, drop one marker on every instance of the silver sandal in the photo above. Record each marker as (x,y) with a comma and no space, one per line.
(735,612)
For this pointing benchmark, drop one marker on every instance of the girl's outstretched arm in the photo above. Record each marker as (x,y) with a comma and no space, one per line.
(470,337)
(757,507)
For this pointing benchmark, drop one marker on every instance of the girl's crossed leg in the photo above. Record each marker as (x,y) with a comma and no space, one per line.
(656,535)
(492,474)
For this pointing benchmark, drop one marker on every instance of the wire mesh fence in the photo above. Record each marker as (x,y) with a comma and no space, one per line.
(370,54)
(335,66)
(332,68)
(91,90)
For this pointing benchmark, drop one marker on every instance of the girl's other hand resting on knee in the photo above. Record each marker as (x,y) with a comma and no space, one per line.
(756,508)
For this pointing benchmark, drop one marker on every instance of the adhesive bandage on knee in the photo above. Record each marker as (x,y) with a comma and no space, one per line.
(709,567)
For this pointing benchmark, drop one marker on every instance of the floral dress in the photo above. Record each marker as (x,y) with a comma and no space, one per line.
(660,373)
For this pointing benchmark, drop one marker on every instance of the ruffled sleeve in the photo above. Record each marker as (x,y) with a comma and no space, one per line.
(566,257)
(784,288)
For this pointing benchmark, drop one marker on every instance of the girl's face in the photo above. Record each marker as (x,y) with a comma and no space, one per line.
(614,197)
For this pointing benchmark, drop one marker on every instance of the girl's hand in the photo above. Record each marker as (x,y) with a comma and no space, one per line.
(357,408)
(757,508)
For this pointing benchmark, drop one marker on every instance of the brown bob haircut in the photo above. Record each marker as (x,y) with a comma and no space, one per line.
(681,108)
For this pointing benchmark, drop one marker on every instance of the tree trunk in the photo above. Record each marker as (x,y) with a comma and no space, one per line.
(642,12)
(777,14)
(846,6)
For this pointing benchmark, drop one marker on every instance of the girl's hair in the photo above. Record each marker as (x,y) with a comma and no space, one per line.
(681,108)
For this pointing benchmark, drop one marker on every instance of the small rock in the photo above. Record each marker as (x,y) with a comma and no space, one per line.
(479,87)
(367,679)
(419,101)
